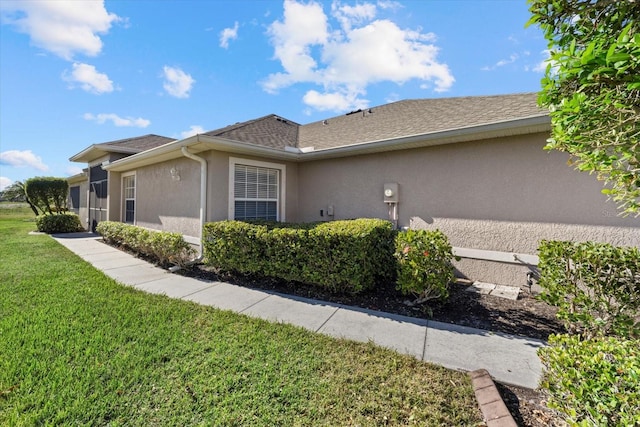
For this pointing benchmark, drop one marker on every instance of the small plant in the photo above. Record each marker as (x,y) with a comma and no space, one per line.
(58,223)
(593,382)
(595,285)
(425,267)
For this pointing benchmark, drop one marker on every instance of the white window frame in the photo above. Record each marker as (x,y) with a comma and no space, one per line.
(282,185)
(123,198)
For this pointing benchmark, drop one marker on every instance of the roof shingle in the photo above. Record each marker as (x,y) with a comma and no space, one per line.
(417,117)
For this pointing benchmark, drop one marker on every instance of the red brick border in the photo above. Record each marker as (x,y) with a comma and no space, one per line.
(493,409)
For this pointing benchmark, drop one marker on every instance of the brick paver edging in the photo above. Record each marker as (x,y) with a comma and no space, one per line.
(493,409)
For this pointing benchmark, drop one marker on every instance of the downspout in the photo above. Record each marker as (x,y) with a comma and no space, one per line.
(203,203)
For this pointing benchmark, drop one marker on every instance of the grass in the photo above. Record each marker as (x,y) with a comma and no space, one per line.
(76,348)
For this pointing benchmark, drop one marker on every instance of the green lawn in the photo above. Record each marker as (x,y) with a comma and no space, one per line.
(76,348)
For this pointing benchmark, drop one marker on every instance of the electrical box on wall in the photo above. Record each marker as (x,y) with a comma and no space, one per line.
(391,192)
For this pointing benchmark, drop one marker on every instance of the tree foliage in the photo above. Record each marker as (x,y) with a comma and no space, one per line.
(592,88)
(48,194)
(16,192)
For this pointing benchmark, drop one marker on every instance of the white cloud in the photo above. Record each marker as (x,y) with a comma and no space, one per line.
(89,79)
(63,27)
(228,34)
(541,66)
(177,83)
(501,63)
(353,15)
(344,62)
(193,130)
(117,120)
(334,101)
(5,182)
(73,170)
(24,158)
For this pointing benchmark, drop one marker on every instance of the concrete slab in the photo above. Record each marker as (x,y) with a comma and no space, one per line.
(175,286)
(86,246)
(109,260)
(303,312)
(227,297)
(136,274)
(509,359)
(481,288)
(508,292)
(393,332)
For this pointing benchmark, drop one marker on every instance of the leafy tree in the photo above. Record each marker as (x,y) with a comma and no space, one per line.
(48,194)
(592,88)
(16,192)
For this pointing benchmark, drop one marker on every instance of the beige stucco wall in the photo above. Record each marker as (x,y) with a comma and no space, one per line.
(165,203)
(500,195)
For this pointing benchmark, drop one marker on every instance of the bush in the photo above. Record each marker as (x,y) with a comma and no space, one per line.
(342,256)
(164,247)
(595,285)
(48,194)
(425,267)
(594,381)
(58,223)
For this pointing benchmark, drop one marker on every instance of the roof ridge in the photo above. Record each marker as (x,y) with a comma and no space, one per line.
(240,125)
(119,141)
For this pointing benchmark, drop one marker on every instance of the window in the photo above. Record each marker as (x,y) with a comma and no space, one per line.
(129,198)
(256,190)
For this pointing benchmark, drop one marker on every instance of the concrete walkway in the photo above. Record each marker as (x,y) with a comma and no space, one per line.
(509,359)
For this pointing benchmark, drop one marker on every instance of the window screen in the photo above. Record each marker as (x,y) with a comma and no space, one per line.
(256,193)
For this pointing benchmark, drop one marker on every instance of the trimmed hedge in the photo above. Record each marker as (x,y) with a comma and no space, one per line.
(595,285)
(48,194)
(59,223)
(165,247)
(342,256)
(425,267)
(593,382)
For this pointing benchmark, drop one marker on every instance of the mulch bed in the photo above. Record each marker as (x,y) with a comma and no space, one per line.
(526,316)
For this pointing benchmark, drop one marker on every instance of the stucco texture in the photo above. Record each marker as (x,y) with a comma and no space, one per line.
(502,194)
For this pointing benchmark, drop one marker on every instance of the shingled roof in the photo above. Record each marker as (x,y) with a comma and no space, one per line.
(417,117)
(269,131)
(133,145)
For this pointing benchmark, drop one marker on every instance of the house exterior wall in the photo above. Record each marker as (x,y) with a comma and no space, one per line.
(167,201)
(164,202)
(502,195)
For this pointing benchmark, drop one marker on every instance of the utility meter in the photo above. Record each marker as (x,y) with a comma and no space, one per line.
(391,193)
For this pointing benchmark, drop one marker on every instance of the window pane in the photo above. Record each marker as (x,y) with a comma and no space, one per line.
(129,213)
(256,192)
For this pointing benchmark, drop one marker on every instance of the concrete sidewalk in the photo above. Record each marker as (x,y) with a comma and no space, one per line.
(509,359)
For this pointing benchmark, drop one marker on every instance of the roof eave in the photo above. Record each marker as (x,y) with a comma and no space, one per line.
(197,144)
(98,150)
(200,143)
(528,125)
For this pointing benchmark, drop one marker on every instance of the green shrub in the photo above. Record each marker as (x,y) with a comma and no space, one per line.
(164,247)
(595,285)
(593,382)
(342,256)
(48,194)
(425,267)
(58,223)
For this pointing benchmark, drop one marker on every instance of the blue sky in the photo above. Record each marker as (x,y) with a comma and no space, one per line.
(75,73)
